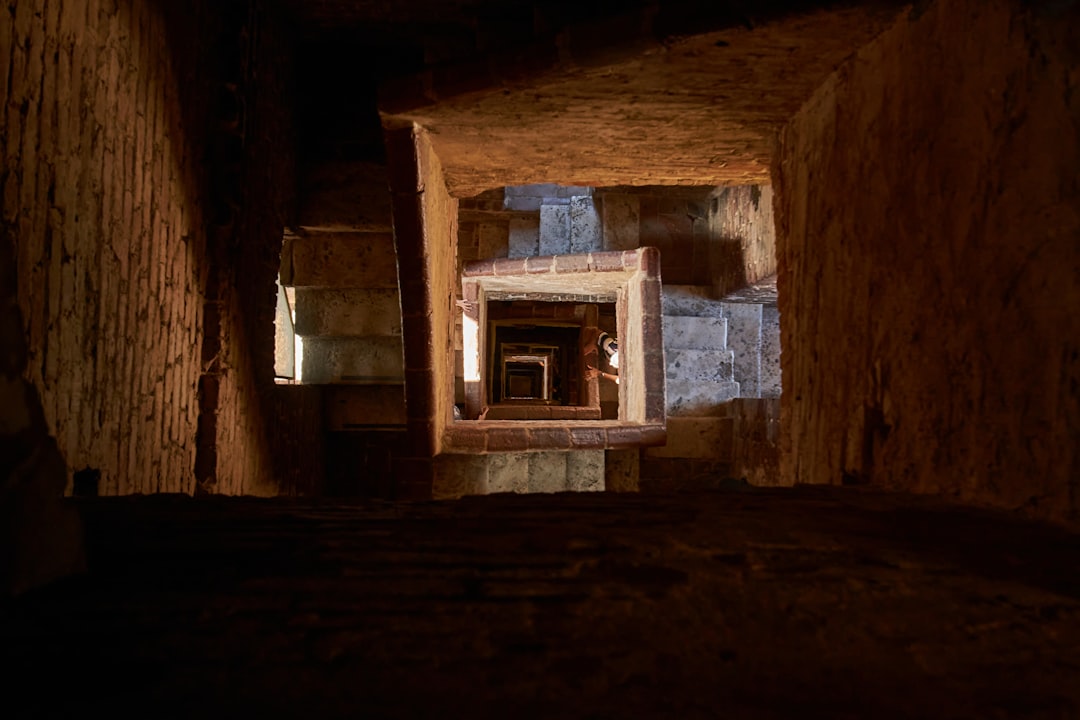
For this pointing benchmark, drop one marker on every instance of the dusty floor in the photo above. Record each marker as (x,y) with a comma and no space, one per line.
(746,604)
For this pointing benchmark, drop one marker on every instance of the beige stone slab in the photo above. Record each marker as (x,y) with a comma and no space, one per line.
(341,259)
(347,313)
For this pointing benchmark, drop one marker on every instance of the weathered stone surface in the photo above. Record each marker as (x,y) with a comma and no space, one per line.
(341,259)
(770,352)
(585,226)
(347,313)
(524,238)
(699,398)
(459,475)
(699,365)
(929,328)
(621,222)
(621,470)
(755,455)
(585,471)
(690,112)
(743,233)
(547,472)
(350,407)
(744,339)
(361,360)
(697,333)
(690,301)
(345,196)
(508,472)
(554,229)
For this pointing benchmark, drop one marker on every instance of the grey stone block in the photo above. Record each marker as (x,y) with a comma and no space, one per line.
(585,226)
(585,470)
(698,333)
(554,229)
(770,352)
(699,365)
(696,398)
(744,339)
(508,472)
(690,300)
(347,313)
(523,203)
(547,472)
(359,360)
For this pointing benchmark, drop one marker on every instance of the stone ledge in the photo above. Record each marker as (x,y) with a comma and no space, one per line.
(478,437)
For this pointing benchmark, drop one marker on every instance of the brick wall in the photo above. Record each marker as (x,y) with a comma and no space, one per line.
(742,237)
(928,230)
(100,132)
(116,164)
(425,237)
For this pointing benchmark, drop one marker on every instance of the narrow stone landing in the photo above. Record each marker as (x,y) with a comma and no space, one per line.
(746,603)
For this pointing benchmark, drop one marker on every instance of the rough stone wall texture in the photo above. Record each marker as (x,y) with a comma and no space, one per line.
(755,446)
(100,136)
(743,235)
(698,108)
(267,437)
(928,220)
(425,236)
(110,113)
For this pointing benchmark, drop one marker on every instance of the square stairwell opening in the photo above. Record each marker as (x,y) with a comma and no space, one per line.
(541,360)
(530,329)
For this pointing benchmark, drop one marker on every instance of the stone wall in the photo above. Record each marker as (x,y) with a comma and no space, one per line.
(122,147)
(261,438)
(102,109)
(425,237)
(742,232)
(927,210)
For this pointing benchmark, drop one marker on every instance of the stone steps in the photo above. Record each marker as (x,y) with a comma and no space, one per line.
(370,360)
(699,398)
(709,366)
(343,266)
(527,472)
(696,333)
(348,312)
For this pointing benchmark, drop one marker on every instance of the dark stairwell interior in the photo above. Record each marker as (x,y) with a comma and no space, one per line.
(889,531)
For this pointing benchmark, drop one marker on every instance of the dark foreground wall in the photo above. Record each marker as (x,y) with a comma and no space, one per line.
(929,242)
(145,184)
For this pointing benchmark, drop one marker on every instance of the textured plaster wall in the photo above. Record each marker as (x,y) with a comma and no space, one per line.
(929,224)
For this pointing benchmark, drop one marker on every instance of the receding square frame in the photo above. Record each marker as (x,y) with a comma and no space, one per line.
(630,279)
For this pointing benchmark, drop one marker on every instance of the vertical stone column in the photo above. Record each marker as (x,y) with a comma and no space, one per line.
(425,237)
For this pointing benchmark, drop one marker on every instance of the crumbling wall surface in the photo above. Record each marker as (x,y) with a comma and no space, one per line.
(99,109)
(927,207)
